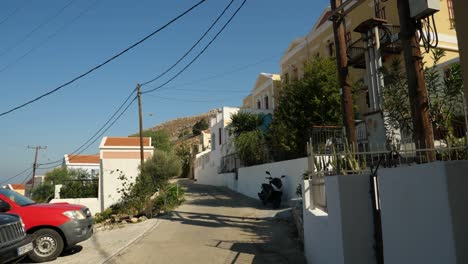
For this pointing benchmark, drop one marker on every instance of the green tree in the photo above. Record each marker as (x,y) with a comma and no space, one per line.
(76,184)
(249,140)
(199,126)
(444,93)
(312,100)
(159,139)
(183,152)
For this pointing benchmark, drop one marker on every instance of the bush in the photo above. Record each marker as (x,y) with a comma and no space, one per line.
(169,198)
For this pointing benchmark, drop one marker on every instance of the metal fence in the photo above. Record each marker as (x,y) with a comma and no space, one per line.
(329,161)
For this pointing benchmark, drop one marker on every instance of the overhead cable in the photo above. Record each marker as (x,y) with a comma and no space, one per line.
(200,53)
(105,62)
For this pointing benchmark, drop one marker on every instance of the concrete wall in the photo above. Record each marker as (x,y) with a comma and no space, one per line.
(424,213)
(251,178)
(92,203)
(343,234)
(109,183)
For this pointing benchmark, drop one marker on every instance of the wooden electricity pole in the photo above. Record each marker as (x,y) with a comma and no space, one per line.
(343,75)
(142,156)
(417,91)
(37,148)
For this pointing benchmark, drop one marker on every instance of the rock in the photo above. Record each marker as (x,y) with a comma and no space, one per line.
(134,220)
(143,218)
(124,222)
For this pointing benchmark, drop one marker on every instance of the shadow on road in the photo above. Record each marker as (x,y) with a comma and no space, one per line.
(269,237)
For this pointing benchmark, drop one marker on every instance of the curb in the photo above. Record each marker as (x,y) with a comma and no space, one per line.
(136,239)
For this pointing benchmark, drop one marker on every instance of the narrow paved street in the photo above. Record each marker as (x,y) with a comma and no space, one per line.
(216,225)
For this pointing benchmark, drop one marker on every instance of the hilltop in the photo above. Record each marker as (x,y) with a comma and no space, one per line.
(181,128)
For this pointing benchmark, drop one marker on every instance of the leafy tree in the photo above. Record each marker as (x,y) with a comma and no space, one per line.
(76,184)
(249,140)
(244,122)
(444,93)
(312,100)
(199,126)
(184,154)
(159,139)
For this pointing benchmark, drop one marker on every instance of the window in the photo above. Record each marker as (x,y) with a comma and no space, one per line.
(451,13)
(259,104)
(286,78)
(295,73)
(266,102)
(220,139)
(213,145)
(330,49)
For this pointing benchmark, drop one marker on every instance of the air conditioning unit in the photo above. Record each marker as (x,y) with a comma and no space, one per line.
(423,8)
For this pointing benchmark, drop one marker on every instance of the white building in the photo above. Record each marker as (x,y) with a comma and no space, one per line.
(120,156)
(88,163)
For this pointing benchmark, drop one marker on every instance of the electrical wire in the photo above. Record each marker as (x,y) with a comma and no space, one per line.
(183,100)
(10,15)
(16,175)
(215,76)
(201,52)
(101,130)
(92,142)
(428,33)
(63,27)
(30,33)
(105,62)
(193,46)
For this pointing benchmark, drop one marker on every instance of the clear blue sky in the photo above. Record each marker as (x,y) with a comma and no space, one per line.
(258,35)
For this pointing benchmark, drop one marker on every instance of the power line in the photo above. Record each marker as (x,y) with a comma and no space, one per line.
(16,175)
(63,27)
(101,130)
(238,69)
(200,53)
(105,62)
(29,34)
(193,46)
(10,15)
(183,100)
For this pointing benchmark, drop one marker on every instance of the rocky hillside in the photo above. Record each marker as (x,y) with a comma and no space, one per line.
(181,128)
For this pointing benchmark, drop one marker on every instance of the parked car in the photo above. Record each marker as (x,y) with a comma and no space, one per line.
(54,226)
(14,242)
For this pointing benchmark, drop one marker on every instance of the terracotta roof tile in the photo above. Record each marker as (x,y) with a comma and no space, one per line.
(84,159)
(126,142)
(17,186)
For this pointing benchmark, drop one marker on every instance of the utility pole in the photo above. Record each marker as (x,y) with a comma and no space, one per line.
(37,148)
(142,156)
(343,75)
(417,91)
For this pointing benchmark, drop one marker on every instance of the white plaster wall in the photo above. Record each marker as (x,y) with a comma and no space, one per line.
(416,217)
(229,180)
(92,203)
(87,168)
(209,176)
(109,182)
(251,178)
(343,234)
(322,231)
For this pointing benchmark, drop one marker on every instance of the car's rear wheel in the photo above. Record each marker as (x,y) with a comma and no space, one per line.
(48,245)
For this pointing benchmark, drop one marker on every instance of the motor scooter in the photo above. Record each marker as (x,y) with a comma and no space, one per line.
(273,191)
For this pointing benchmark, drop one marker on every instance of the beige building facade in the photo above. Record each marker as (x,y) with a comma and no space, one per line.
(265,94)
(366,55)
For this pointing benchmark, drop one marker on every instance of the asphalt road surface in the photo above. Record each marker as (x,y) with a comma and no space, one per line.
(216,225)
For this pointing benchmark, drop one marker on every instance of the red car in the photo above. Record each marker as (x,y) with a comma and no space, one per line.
(53,226)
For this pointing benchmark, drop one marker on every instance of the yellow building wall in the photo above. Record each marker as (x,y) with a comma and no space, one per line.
(317,43)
